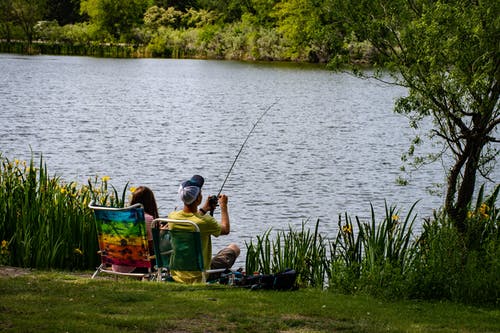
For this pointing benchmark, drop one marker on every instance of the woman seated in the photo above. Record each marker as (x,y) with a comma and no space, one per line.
(144,196)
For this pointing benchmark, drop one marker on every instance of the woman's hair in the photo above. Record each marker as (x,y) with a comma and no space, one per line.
(145,196)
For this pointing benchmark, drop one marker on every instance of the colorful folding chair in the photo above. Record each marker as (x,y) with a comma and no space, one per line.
(123,241)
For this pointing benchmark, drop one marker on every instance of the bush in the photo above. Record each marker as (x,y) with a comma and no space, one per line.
(460,266)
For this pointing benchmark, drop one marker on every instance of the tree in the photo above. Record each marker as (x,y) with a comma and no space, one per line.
(447,54)
(115,17)
(27,13)
(307,25)
(6,19)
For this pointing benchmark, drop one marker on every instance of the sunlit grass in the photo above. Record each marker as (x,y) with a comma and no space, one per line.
(60,302)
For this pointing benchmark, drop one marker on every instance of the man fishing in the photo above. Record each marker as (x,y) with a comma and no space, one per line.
(191,195)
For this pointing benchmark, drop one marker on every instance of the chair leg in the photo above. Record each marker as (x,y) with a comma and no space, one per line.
(97,271)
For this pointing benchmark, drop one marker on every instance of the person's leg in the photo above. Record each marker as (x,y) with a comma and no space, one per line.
(225,258)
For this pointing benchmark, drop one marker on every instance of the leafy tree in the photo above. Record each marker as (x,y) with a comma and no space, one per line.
(262,10)
(27,13)
(231,10)
(115,17)
(6,19)
(447,54)
(307,24)
(156,17)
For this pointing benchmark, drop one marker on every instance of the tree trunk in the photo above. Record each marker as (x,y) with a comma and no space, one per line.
(457,209)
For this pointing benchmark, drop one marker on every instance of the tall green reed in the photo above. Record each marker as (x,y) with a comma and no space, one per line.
(373,255)
(388,241)
(44,221)
(361,253)
(302,250)
(346,255)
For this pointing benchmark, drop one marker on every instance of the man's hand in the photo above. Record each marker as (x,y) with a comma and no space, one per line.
(223,201)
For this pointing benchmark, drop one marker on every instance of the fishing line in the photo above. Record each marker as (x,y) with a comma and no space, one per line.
(214,198)
(244,142)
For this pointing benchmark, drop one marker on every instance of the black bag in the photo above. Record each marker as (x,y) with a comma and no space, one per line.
(280,281)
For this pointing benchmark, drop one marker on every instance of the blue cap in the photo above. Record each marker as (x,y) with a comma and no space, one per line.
(190,189)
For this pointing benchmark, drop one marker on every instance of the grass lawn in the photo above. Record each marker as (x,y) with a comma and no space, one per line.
(41,301)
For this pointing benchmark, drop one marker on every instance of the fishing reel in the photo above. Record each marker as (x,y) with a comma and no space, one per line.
(212,202)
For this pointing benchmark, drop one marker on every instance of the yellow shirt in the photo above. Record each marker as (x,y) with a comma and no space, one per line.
(208,226)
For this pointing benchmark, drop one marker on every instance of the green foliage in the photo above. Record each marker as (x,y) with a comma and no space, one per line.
(446,53)
(45,222)
(383,258)
(116,18)
(374,257)
(301,250)
(156,17)
(79,33)
(460,266)
(25,13)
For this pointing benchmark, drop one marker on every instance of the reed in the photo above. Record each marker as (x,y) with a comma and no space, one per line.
(359,254)
(346,255)
(388,241)
(302,250)
(44,221)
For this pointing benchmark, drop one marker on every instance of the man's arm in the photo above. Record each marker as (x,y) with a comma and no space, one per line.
(225,227)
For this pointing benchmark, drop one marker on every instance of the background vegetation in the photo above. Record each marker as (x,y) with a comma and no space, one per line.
(295,30)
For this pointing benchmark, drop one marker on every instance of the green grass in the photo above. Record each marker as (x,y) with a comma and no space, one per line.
(45,301)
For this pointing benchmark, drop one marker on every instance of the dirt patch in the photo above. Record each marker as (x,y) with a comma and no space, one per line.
(8,271)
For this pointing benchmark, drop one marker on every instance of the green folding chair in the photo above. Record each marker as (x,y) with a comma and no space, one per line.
(122,237)
(178,247)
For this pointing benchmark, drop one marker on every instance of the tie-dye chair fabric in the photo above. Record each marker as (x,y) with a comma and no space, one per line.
(123,241)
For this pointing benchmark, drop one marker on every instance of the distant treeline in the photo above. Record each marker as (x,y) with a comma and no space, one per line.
(291,30)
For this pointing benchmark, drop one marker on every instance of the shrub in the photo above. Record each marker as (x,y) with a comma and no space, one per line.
(460,266)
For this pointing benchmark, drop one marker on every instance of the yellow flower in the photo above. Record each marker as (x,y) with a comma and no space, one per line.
(483,209)
(106,178)
(470,214)
(132,189)
(4,244)
(63,190)
(347,229)
(395,217)
(78,251)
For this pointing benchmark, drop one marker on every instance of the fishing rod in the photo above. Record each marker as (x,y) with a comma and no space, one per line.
(214,198)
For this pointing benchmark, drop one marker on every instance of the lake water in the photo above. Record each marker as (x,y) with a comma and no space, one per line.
(331,143)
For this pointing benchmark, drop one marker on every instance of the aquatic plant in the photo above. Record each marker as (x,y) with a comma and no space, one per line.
(302,250)
(45,221)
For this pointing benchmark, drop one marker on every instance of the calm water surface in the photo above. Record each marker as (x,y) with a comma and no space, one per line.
(331,144)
